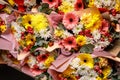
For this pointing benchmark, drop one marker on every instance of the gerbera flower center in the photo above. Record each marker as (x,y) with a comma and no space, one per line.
(71,20)
(70,42)
(51,0)
(29,22)
(79,5)
(85,60)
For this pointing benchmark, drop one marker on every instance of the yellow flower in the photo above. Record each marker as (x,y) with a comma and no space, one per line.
(106,71)
(86,59)
(48,61)
(117,5)
(11,2)
(81,40)
(30,39)
(66,7)
(26,20)
(2,28)
(68,73)
(58,32)
(39,22)
(91,3)
(103,62)
(91,21)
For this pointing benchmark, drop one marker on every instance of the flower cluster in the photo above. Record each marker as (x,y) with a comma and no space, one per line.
(2,26)
(44,30)
(84,67)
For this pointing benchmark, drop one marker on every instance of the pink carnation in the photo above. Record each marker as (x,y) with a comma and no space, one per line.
(70,20)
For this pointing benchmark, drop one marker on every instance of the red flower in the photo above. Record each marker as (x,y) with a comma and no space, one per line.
(70,20)
(19,2)
(42,57)
(69,42)
(2,6)
(21,8)
(105,26)
(78,5)
(52,3)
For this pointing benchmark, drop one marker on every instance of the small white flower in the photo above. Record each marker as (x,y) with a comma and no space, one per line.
(84,78)
(102,44)
(92,74)
(29,2)
(41,65)
(75,63)
(96,35)
(89,40)
(77,29)
(45,33)
(31,61)
(83,70)
(66,34)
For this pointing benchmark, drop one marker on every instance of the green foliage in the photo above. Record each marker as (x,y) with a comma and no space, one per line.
(88,48)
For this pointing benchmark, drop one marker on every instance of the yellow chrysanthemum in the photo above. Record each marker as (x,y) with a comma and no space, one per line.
(30,39)
(11,2)
(39,21)
(103,62)
(81,40)
(2,28)
(58,33)
(86,59)
(48,61)
(117,5)
(68,73)
(91,21)
(26,20)
(66,7)
(106,71)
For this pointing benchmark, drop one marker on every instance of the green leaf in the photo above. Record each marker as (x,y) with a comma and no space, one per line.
(33,49)
(45,8)
(88,48)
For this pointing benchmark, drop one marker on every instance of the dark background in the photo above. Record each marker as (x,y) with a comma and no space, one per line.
(9,73)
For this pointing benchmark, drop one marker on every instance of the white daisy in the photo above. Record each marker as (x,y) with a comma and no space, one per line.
(66,34)
(75,63)
(92,74)
(77,29)
(45,33)
(41,65)
(31,61)
(89,40)
(102,44)
(84,78)
(83,70)
(96,35)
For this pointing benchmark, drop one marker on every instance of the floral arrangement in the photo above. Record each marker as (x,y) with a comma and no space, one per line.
(42,31)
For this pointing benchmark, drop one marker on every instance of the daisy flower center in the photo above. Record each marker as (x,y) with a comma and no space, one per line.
(85,60)
(70,42)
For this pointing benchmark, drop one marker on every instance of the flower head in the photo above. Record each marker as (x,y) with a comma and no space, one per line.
(69,42)
(70,20)
(86,59)
(39,22)
(49,61)
(66,7)
(81,40)
(78,5)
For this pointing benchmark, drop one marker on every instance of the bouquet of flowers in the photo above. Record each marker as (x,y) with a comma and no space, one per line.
(37,33)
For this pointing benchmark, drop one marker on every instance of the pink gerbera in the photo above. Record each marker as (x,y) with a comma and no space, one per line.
(52,3)
(78,5)
(69,42)
(70,20)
